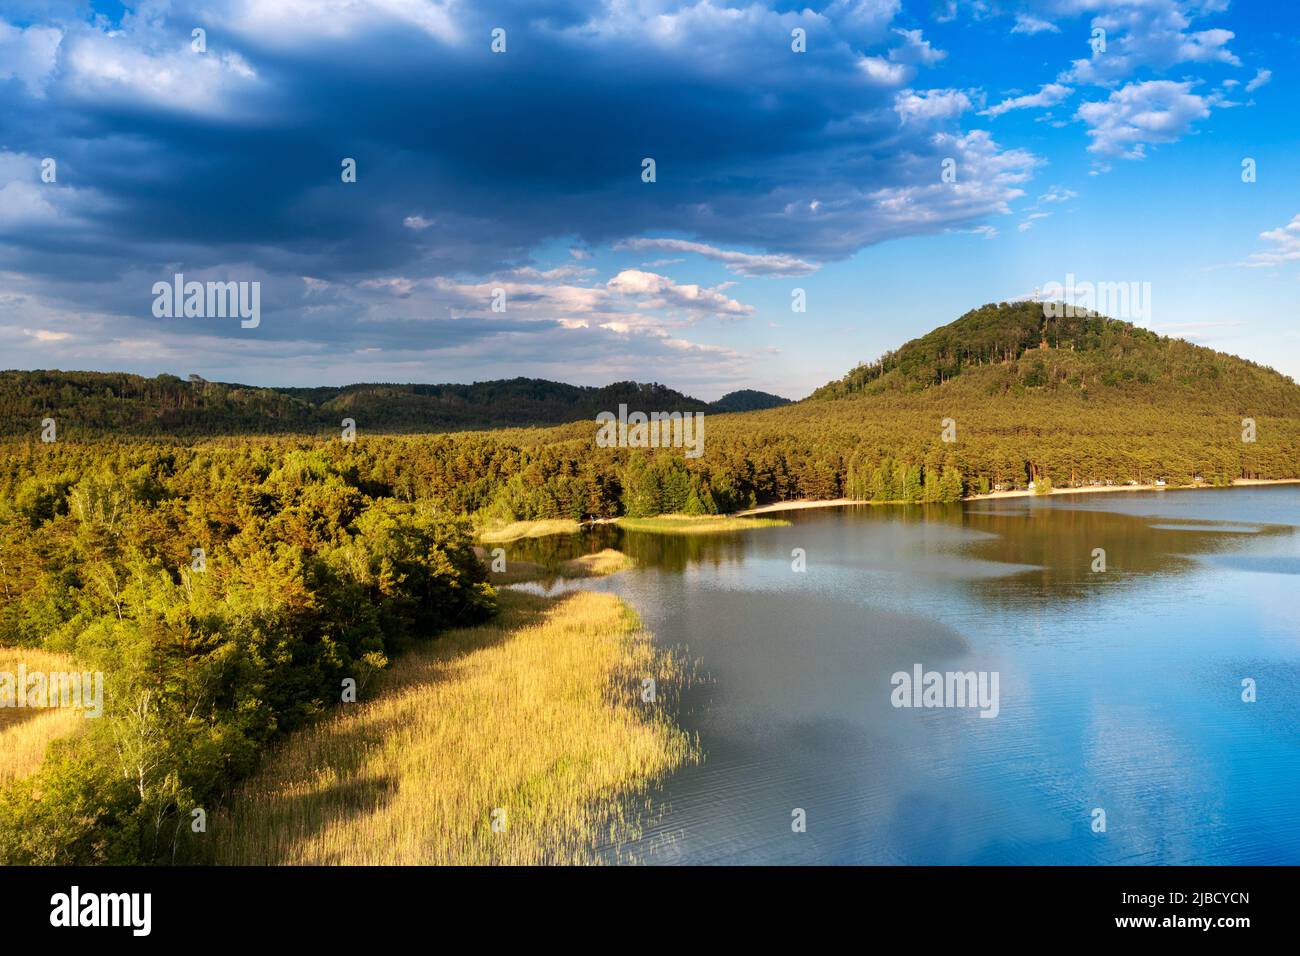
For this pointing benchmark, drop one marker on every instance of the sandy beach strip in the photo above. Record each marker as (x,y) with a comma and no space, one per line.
(1019,493)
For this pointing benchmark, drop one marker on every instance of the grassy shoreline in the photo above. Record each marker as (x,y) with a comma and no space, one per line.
(529,529)
(661,524)
(598,565)
(691,524)
(536,718)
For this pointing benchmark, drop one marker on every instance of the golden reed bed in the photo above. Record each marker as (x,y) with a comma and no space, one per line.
(536,719)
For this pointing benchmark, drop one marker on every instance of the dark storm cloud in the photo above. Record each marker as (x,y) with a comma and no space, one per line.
(227,162)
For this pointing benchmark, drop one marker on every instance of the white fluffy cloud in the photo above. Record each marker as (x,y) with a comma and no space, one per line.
(915,49)
(1152,34)
(633,301)
(1157,111)
(879,70)
(27,202)
(865,21)
(1136,44)
(654,291)
(1049,95)
(1261,77)
(927,105)
(161,71)
(292,23)
(1286,246)
(988,178)
(1058,194)
(1028,23)
(28,54)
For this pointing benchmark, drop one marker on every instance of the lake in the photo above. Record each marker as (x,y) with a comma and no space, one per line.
(1119,691)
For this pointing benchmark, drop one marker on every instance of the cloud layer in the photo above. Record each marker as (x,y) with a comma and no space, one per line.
(209,136)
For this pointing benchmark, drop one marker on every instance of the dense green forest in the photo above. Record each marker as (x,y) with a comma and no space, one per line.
(747,400)
(322,557)
(1107,403)
(226,594)
(116,403)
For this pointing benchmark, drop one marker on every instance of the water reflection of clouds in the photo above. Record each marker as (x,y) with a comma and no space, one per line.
(1151,782)
(1259,564)
(1117,688)
(1275,505)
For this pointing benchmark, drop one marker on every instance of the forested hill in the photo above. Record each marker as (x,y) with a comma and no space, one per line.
(120,403)
(747,400)
(994,358)
(1010,347)
(493,404)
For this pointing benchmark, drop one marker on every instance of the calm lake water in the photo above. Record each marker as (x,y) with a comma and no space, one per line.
(1119,690)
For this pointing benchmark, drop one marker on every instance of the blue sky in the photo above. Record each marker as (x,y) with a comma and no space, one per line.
(521,170)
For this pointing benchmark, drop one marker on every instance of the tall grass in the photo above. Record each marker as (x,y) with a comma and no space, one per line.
(701,524)
(529,529)
(598,565)
(538,714)
(25,733)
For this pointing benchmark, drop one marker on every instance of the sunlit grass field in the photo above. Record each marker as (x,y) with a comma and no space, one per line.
(529,529)
(537,717)
(691,524)
(25,733)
